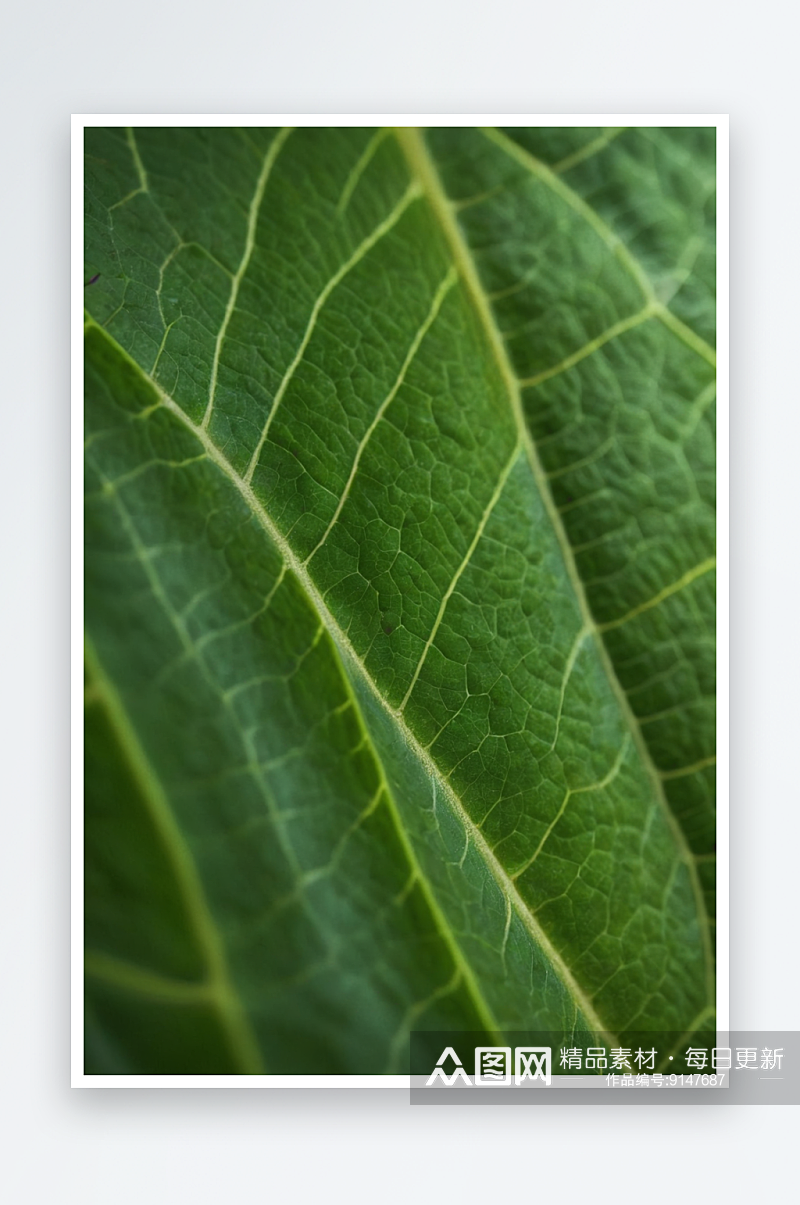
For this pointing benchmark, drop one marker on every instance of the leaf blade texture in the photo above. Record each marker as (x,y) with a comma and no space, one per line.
(399,591)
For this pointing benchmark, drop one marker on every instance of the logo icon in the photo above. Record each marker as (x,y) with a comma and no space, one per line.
(458,1072)
(532,1062)
(493,1066)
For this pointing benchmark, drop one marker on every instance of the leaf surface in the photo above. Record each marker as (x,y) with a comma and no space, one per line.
(399,591)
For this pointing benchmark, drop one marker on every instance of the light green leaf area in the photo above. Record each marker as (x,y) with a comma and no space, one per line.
(399,591)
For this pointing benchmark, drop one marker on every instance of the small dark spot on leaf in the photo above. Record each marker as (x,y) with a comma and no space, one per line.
(388,629)
(91,282)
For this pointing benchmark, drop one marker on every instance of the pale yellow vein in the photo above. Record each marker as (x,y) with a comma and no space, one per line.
(130,137)
(698,409)
(594,786)
(583,463)
(250,241)
(548,177)
(491,504)
(682,771)
(411,194)
(691,575)
(241,1039)
(413,1012)
(143,982)
(436,305)
(568,668)
(586,152)
(360,167)
(342,642)
(423,168)
(575,357)
(614,243)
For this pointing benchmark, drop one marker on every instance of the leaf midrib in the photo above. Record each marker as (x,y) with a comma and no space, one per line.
(423,169)
(424,172)
(341,640)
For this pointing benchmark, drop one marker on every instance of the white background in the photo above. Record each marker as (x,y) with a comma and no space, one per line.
(58,1144)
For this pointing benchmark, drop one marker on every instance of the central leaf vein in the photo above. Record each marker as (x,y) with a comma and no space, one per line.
(533,926)
(423,169)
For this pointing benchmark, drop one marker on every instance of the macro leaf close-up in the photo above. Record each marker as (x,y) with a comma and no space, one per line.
(399,591)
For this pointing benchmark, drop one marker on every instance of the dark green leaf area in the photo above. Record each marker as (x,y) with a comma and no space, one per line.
(272,790)
(399,592)
(585,252)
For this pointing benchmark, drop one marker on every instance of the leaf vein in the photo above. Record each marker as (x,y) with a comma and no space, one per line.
(594,786)
(685,580)
(360,167)
(342,643)
(411,194)
(587,151)
(619,328)
(273,151)
(614,243)
(241,1039)
(423,168)
(491,504)
(430,318)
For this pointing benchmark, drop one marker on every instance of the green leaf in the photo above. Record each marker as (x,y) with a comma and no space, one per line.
(399,591)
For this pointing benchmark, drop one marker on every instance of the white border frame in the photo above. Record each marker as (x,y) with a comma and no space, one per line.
(79,123)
